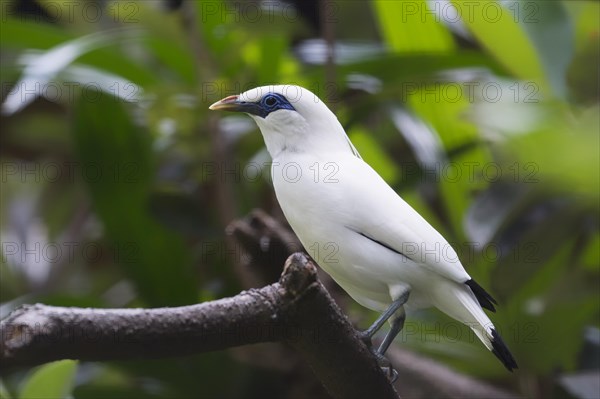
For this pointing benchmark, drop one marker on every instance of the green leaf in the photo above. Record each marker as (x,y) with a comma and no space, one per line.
(405,72)
(52,381)
(520,250)
(16,33)
(117,160)
(175,57)
(568,161)
(583,72)
(216,25)
(551,30)
(411,27)
(46,67)
(498,30)
(165,38)
(443,106)
(544,332)
(587,23)
(272,51)
(43,68)
(4,394)
(27,35)
(590,256)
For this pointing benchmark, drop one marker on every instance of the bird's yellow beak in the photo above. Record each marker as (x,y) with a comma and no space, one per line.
(234,104)
(230,103)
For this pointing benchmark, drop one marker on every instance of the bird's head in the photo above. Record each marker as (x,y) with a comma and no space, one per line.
(290,118)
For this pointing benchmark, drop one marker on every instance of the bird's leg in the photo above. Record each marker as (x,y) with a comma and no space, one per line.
(397,324)
(367,335)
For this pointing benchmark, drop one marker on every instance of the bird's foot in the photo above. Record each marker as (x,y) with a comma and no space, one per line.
(366,337)
(382,361)
(386,367)
(391,374)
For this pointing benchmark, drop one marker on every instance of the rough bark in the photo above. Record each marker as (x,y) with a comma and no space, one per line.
(297,310)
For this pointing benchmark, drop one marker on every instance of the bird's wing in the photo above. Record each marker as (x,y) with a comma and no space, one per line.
(379,214)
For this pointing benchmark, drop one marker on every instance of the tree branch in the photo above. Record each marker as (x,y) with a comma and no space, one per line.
(296,310)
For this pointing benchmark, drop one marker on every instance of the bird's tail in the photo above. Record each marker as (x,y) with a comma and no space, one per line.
(459,302)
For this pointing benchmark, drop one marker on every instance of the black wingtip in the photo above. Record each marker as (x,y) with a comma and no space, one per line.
(485,299)
(501,351)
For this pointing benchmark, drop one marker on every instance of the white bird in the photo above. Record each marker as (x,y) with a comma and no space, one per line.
(373,244)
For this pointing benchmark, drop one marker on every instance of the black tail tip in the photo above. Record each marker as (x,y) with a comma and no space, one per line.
(501,351)
(485,299)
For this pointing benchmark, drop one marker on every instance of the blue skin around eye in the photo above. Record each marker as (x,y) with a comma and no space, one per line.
(269,103)
(280,103)
(262,109)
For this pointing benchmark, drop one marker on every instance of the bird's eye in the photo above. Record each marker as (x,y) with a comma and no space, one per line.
(270,101)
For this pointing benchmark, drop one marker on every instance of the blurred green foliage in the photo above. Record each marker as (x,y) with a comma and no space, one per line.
(488,126)
(52,380)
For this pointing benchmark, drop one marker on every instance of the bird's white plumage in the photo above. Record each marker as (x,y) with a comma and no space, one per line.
(350,220)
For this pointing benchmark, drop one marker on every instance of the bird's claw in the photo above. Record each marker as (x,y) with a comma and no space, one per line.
(382,361)
(391,374)
(386,367)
